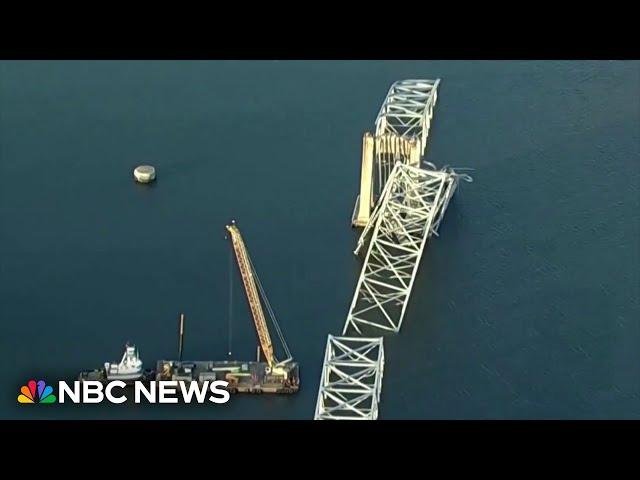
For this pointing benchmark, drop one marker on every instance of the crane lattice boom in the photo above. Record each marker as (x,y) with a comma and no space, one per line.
(246,271)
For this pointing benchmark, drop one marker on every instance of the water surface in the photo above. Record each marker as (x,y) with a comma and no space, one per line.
(527,305)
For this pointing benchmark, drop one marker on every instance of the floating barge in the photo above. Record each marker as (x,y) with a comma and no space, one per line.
(243,377)
(269,376)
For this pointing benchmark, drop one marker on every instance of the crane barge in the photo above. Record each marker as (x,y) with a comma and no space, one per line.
(269,376)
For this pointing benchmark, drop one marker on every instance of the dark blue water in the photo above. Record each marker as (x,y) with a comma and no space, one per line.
(527,306)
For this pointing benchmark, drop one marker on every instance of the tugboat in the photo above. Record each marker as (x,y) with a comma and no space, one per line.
(128,370)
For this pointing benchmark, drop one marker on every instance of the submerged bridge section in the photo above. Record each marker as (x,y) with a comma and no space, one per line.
(351,379)
(400,206)
(401,132)
(410,209)
(408,109)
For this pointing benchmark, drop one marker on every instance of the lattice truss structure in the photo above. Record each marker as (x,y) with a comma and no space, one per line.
(409,211)
(389,149)
(408,109)
(351,379)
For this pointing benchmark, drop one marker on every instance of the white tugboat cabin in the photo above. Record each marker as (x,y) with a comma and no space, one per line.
(129,368)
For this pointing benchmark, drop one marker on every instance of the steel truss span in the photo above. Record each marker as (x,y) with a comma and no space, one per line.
(401,204)
(351,379)
(408,109)
(409,211)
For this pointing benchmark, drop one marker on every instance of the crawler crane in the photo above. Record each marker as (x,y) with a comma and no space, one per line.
(253,288)
(269,376)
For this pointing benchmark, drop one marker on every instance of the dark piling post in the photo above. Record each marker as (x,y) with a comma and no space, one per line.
(181,337)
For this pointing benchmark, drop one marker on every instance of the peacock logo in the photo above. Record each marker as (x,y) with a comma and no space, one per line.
(36,392)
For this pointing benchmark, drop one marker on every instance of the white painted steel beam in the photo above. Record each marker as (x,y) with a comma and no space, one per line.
(409,211)
(351,379)
(407,109)
(410,207)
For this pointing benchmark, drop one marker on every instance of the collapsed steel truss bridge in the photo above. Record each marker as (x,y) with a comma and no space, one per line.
(400,206)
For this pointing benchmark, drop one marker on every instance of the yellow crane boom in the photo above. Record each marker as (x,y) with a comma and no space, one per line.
(246,271)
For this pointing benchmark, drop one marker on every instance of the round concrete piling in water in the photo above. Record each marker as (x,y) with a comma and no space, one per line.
(144,174)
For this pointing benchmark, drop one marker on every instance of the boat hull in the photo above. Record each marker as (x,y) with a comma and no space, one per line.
(124,377)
